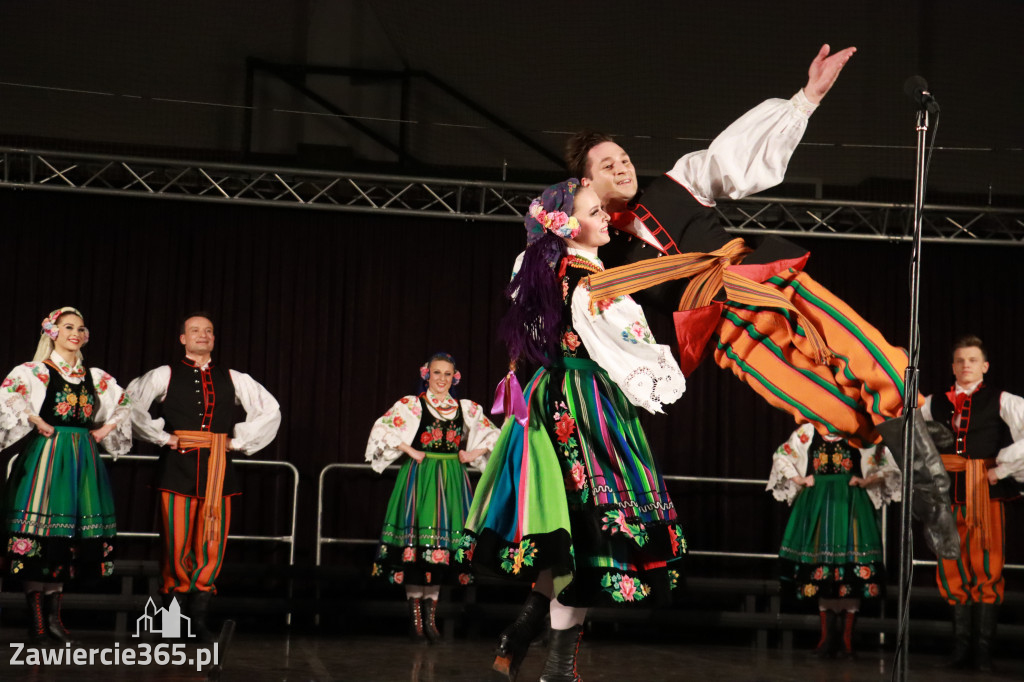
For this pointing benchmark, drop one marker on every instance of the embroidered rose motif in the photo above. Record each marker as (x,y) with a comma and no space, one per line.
(810,590)
(847,464)
(71,399)
(7,382)
(564,428)
(457,441)
(788,450)
(804,437)
(408,555)
(844,590)
(21,546)
(570,340)
(627,588)
(872,590)
(465,579)
(425,438)
(439,556)
(63,408)
(864,572)
(398,422)
(436,433)
(87,410)
(449,436)
(819,573)
(579,475)
(398,577)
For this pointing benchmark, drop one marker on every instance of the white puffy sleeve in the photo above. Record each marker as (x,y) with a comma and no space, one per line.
(143,391)
(398,425)
(750,155)
(262,415)
(617,337)
(481,431)
(878,460)
(1010,460)
(115,407)
(21,396)
(790,461)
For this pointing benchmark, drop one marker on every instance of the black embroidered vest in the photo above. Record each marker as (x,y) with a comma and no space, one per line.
(68,404)
(986,435)
(197,400)
(443,436)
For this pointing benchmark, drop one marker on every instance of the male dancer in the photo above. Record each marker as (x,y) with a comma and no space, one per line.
(989,429)
(196,402)
(794,342)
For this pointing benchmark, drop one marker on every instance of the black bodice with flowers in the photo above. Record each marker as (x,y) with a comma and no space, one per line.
(68,404)
(442,436)
(832,457)
(572,270)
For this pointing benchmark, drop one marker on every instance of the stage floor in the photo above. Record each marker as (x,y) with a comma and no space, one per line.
(306,658)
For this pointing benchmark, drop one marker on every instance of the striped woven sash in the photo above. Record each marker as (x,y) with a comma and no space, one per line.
(218,445)
(709,273)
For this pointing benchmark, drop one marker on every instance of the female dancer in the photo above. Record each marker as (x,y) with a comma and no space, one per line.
(58,509)
(832,550)
(428,505)
(572,499)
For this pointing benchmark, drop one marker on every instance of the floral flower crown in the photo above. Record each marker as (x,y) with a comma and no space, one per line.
(425,368)
(50,323)
(565,226)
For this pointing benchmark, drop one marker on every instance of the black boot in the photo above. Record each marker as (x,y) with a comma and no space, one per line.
(827,644)
(428,608)
(985,619)
(515,640)
(844,635)
(931,504)
(36,622)
(416,631)
(54,625)
(561,663)
(198,606)
(961,659)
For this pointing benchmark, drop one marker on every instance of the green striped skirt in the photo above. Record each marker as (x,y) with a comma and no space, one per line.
(832,547)
(425,516)
(58,509)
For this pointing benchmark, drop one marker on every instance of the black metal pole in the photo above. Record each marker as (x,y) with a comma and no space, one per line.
(910,380)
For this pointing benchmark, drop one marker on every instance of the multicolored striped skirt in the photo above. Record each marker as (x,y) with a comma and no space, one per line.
(58,509)
(576,491)
(832,547)
(425,516)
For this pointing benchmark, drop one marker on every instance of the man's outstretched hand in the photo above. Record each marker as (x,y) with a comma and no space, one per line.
(824,71)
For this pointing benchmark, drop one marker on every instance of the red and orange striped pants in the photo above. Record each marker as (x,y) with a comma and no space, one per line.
(860,386)
(190,564)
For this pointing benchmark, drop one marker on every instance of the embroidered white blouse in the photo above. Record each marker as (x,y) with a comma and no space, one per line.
(262,411)
(618,338)
(24,389)
(400,424)
(790,460)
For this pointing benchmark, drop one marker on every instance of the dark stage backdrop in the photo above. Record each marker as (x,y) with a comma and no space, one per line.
(334,313)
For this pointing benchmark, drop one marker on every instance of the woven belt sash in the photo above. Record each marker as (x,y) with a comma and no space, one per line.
(441,455)
(978,507)
(709,273)
(218,445)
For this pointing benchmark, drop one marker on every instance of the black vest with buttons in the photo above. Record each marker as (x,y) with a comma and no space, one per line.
(197,400)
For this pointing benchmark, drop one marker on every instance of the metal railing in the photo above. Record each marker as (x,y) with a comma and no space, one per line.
(285,539)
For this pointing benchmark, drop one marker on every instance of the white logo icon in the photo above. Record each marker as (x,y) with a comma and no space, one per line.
(172,622)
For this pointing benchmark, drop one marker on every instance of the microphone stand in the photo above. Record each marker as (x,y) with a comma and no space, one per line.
(901,665)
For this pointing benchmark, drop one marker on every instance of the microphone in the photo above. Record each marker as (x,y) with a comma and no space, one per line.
(917,90)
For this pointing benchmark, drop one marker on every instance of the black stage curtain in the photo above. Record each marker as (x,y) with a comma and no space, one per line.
(334,313)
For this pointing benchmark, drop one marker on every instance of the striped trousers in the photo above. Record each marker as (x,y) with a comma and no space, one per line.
(860,386)
(189,563)
(977,576)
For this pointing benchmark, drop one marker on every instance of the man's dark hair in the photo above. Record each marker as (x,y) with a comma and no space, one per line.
(578,147)
(197,313)
(971,341)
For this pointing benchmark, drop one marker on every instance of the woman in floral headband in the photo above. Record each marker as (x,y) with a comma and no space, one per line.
(428,505)
(64,527)
(572,499)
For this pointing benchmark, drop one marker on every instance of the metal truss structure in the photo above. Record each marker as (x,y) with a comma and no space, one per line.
(470,200)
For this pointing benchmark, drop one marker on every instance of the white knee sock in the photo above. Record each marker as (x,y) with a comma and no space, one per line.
(564,617)
(414,591)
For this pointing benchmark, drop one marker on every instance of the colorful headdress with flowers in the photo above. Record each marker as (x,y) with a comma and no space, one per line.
(425,368)
(552,211)
(49,323)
